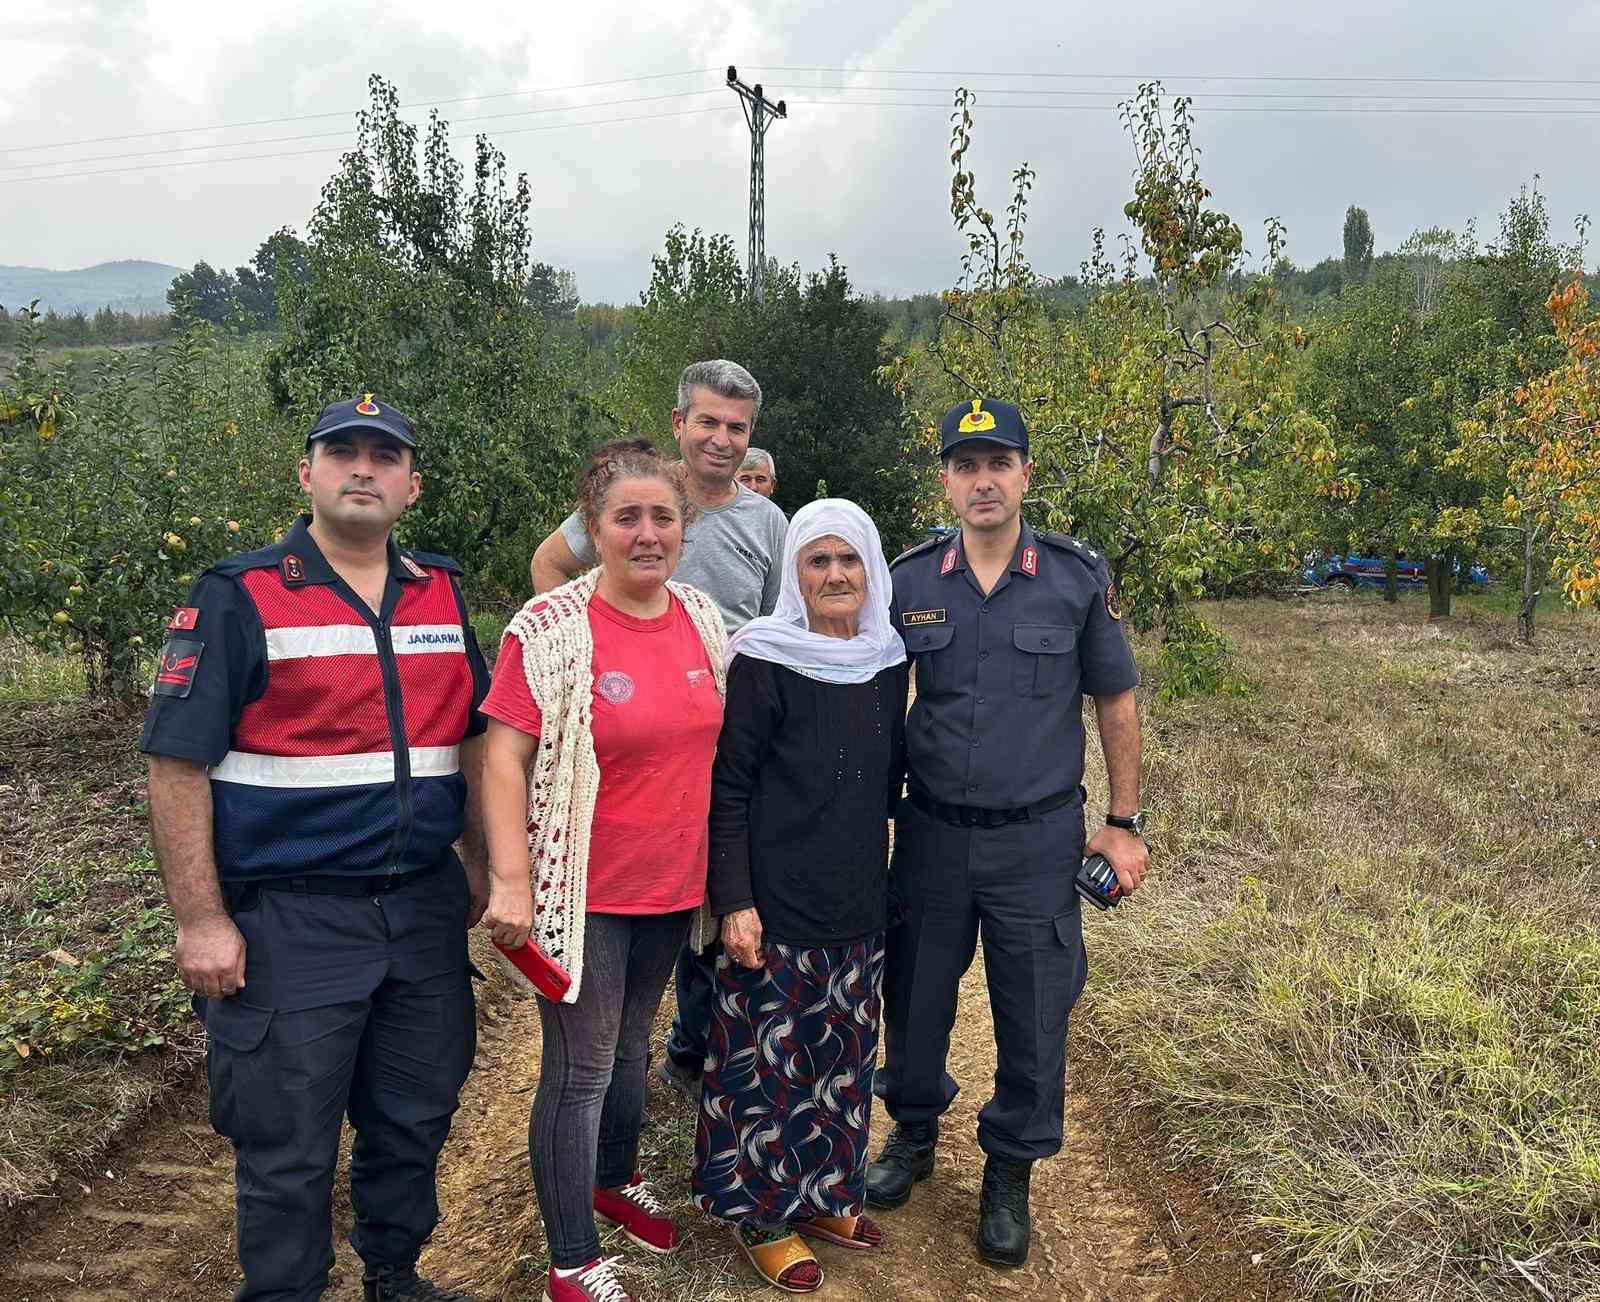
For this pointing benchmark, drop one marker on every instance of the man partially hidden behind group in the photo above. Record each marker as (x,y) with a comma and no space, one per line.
(759,473)
(314,739)
(731,552)
(1008,628)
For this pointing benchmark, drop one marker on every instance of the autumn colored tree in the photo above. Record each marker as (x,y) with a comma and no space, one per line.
(1545,435)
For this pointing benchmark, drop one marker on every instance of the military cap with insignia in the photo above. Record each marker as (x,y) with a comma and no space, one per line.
(365,412)
(985,419)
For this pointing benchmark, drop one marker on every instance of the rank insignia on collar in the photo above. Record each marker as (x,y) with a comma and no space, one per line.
(911,618)
(412,568)
(949,561)
(184,618)
(1030,561)
(293,570)
(1113,602)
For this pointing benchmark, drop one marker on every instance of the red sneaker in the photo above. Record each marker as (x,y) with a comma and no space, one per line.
(596,1282)
(642,1216)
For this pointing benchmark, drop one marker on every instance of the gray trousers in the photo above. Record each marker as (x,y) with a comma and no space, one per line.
(583,1131)
(1013,887)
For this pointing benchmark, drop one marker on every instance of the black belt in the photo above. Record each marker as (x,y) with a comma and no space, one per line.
(972,816)
(365,884)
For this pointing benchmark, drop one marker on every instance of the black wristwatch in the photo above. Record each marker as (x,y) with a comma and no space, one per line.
(1134,824)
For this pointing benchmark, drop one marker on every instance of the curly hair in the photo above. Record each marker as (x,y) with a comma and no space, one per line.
(627,459)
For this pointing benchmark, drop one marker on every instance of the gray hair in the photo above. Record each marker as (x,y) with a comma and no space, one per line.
(724,378)
(755,458)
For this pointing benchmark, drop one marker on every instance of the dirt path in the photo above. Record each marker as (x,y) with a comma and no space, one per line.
(1109,1225)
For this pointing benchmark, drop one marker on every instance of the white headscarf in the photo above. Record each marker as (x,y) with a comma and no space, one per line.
(785,638)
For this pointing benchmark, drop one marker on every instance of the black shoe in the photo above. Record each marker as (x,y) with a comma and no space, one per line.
(907,1157)
(1003,1223)
(403,1284)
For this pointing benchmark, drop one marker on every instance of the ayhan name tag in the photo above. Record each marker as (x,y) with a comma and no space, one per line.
(911,618)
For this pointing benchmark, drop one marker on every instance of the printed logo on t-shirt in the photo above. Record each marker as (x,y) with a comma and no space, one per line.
(615,686)
(699,677)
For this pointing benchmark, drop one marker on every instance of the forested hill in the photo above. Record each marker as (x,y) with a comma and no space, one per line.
(122,286)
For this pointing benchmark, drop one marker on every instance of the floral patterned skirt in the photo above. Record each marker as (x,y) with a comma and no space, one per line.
(787,1097)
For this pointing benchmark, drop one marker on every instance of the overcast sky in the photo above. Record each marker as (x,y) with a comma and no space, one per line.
(867,182)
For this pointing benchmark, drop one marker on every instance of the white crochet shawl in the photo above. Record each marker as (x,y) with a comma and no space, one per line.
(564,780)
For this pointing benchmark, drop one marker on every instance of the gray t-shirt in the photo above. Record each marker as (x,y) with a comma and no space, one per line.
(732,553)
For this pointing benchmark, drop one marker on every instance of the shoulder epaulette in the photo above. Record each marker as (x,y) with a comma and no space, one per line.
(938,540)
(263,558)
(1086,552)
(434,559)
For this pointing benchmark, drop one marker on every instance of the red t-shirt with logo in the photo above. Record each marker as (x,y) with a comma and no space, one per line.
(657,715)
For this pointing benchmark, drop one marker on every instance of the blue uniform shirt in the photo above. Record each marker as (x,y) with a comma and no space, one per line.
(998,717)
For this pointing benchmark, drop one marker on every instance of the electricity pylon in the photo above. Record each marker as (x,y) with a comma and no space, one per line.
(759,112)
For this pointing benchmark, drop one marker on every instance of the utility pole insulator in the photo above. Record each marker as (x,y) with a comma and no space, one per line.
(759,113)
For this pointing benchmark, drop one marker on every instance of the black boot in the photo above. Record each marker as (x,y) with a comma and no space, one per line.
(1003,1224)
(403,1284)
(907,1157)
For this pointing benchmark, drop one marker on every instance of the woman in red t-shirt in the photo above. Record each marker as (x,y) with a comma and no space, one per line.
(603,722)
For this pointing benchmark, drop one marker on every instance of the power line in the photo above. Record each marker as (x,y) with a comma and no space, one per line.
(1216,108)
(348,131)
(334,149)
(338,113)
(1230,94)
(1144,77)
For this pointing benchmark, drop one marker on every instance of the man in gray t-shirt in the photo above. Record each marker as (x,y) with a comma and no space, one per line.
(730,552)
(733,550)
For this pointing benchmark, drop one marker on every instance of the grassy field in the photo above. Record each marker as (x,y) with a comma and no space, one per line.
(1363,985)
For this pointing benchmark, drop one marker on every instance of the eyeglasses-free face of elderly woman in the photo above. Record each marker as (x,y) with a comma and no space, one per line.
(833,582)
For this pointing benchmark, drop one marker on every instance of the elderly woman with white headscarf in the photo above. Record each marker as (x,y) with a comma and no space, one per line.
(808,768)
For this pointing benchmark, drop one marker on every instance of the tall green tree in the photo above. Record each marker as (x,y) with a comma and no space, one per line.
(814,345)
(414,289)
(203,294)
(1357,245)
(281,257)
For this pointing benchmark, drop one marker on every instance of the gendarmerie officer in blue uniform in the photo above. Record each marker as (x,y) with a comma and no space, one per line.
(1009,629)
(314,739)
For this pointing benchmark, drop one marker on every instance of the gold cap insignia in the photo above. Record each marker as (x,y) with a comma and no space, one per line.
(977,420)
(366,406)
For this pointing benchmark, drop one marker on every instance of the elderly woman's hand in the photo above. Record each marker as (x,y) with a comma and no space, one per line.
(741,937)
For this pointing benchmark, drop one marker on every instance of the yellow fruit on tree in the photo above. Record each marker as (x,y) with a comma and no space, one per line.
(61,617)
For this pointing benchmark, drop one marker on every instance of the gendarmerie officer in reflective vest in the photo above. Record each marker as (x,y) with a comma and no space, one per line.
(314,740)
(1009,629)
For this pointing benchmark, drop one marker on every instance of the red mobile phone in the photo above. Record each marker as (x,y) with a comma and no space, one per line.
(529,966)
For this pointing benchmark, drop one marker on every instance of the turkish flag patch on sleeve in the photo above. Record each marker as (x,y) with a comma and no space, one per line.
(184,617)
(175,671)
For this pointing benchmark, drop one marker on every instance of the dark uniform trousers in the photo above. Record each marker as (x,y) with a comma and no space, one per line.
(1013,886)
(353,1005)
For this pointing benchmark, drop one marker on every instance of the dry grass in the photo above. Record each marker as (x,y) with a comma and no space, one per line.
(1364,985)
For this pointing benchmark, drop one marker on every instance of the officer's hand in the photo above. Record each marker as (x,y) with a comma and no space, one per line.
(741,937)
(210,957)
(509,916)
(1128,854)
(477,891)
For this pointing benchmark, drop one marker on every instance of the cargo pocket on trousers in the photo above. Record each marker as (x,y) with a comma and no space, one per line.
(246,1103)
(1068,970)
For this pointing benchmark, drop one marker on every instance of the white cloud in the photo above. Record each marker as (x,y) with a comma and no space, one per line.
(868,183)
